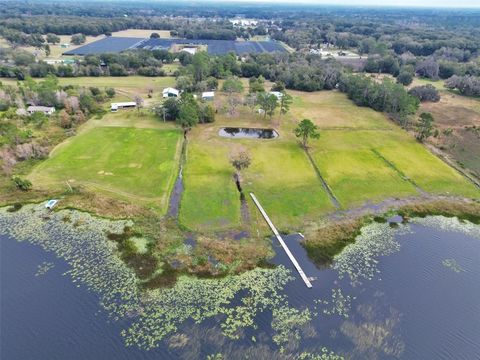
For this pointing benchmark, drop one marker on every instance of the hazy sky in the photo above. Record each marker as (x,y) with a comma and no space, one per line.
(424,3)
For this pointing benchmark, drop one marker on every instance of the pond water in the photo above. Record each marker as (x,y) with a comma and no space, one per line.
(248,133)
(406,293)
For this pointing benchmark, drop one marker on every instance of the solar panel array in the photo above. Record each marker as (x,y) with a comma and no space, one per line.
(106,45)
(214,47)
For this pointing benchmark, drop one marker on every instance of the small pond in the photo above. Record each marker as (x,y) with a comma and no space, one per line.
(248,133)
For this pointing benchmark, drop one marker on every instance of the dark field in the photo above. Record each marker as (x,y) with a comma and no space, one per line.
(215,47)
(106,45)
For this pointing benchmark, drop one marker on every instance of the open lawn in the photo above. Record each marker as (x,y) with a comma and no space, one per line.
(285,182)
(332,109)
(429,172)
(353,171)
(139,164)
(210,200)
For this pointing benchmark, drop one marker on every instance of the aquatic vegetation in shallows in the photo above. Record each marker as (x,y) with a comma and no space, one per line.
(43,268)
(339,304)
(452,265)
(360,260)
(152,315)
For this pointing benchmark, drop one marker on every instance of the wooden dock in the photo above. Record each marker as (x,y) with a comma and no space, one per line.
(280,240)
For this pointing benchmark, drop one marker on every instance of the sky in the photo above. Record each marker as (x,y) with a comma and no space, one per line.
(415,3)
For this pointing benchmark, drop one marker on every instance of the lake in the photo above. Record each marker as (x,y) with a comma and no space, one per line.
(410,292)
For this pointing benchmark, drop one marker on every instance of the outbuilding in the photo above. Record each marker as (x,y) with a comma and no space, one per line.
(277,94)
(208,95)
(122,105)
(47,110)
(170,92)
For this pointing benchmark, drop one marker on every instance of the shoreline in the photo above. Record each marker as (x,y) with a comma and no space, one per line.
(324,239)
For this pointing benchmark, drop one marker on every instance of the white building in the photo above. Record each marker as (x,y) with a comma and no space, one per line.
(122,105)
(170,92)
(277,94)
(208,95)
(47,110)
(190,50)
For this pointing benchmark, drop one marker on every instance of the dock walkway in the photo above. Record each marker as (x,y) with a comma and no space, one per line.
(279,238)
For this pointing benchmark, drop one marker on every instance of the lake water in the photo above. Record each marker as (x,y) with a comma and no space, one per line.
(407,293)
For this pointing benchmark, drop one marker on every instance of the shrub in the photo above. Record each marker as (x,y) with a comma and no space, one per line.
(425,93)
(22,184)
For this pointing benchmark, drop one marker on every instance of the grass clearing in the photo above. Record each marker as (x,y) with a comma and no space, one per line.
(356,175)
(332,109)
(285,182)
(139,164)
(426,170)
(210,199)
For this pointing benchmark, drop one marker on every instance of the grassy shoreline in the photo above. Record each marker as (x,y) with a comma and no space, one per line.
(324,239)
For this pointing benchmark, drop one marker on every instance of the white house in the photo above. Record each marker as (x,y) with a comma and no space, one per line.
(170,92)
(47,110)
(122,105)
(277,94)
(208,95)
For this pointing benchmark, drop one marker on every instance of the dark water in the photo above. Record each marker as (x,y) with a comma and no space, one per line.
(248,133)
(413,307)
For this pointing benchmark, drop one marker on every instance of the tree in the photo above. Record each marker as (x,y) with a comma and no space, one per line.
(278,86)
(65,120)
(428,68)
(169,110)
(139,102)
(240,160)
(405,78)
(268,102)
(200,66)
(256,84)
(306,129)
(251,101)
(424,126)
(233,86)
(187,117)
(110,92)
(285,102)
(78,39)
(425,93)
(53,39)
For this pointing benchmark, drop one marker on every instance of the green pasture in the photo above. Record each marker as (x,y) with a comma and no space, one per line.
(210,199)
(139,164)
(284,181)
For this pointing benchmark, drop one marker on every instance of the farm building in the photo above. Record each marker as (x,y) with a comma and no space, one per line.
(170,92)
(47,110)
(190,50)
(277,94)
(208,95)
(122,105)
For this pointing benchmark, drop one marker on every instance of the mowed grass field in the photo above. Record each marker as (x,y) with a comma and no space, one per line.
(210,199)
(285,182)
(363,157)
(139,164)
